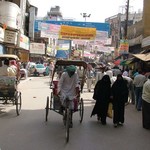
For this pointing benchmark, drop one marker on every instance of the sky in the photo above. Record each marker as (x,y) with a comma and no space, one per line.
(99,9)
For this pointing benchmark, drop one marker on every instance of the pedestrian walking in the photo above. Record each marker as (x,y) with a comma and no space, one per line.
(90,76)
(138,82)
(51,68)
(120,97)
(102,92)
(100,73)
(146,104)
(130,86)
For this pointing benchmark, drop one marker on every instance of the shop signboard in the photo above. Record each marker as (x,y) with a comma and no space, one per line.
(37,48)
(1,34)
(31,22)
(10,37)
(23,41)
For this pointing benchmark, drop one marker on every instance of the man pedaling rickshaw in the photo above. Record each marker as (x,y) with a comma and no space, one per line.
(68,87)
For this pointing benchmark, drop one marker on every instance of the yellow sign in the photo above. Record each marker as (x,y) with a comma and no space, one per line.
(71,32)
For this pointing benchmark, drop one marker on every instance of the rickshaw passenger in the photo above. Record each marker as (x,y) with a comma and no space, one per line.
(68,86)
(13,65)
(6,70)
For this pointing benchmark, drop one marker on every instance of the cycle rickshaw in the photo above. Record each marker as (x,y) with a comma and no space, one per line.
(9,94)
(53,102)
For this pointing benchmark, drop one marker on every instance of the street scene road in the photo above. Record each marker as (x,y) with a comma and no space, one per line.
(29,131)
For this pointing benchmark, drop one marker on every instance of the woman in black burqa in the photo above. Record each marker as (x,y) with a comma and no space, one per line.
(101,94)
(120,97)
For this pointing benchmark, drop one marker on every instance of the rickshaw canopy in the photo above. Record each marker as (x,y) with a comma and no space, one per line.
(71,62)
(9,56)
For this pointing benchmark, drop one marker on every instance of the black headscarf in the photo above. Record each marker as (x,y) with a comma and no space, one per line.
(102,88)
(106,80)
(120,88)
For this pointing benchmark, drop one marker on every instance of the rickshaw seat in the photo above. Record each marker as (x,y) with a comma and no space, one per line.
(8,85)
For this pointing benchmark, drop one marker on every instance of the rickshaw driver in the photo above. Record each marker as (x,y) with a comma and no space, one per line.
(68,87)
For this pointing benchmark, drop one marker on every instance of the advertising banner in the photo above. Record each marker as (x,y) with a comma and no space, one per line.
(37,48)
(99,26)
(71,32)
(23,41)
(1,34)
(124,46)
(49,30)
(63,44)
(105,49)
(80,42)
(63,49)
(101,35)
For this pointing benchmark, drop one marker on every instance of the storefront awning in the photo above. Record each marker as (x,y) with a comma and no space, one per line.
(143,57)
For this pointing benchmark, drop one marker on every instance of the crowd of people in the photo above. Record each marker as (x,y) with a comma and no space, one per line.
(110,86)
(120,87)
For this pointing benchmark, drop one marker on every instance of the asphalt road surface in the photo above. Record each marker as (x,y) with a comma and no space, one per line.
(29,131)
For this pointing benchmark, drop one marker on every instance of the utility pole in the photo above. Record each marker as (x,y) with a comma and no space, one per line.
(126,21)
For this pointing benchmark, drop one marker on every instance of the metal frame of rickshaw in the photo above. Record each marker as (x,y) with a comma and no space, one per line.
(12,96)
(50,100)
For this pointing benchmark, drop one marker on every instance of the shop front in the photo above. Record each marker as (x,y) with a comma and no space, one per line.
(37,52)
(23,47)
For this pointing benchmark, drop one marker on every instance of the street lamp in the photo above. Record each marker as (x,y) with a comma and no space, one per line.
(85,15)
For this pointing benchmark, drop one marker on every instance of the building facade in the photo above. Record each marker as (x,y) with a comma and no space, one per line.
(14,29)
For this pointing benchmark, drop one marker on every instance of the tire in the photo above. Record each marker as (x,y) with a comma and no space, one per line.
(47,109)
(67,124)
(52,100)
(18,103)
(81,109)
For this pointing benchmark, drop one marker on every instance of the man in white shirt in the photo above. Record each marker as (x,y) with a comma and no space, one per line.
(68,87)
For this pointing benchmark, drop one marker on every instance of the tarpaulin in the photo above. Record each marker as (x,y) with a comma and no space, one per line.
(143,57)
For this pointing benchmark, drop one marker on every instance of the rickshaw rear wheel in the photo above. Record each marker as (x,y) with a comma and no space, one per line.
(47,108)
(18,102)
(81,109)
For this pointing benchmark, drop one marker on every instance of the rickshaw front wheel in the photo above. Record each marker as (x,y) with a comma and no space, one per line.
(47,108)
(81,109)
